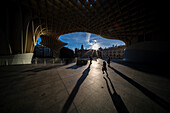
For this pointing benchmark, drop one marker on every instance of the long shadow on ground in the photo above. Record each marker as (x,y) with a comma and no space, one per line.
(161,102)
(75,90)
(117,100)
(73,67)
(4,74)
(42,68)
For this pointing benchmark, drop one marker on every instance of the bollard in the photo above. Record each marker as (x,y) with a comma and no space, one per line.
(53,60)
(44,61)
(35,61)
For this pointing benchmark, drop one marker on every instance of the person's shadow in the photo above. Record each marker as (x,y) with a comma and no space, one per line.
(73,67)
(163,103)
(75,90)
(117,100)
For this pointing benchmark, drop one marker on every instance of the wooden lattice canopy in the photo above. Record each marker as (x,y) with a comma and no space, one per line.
(127,20)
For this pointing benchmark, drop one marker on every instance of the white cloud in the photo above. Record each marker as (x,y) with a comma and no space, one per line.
(88,38)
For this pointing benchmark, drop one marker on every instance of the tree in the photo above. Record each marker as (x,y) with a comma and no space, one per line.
(66,53)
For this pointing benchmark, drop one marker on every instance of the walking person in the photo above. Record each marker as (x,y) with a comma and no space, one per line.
(108,61)
(90,60)
(104,67)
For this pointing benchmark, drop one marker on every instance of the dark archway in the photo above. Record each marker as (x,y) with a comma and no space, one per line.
(137,23)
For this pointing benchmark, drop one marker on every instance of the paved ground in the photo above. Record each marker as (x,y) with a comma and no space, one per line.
(72,89)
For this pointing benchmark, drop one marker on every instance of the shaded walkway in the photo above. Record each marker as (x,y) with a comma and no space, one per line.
(118,102)
(73,67)
(145,91)
(53,89)
(75,90)
(43,68)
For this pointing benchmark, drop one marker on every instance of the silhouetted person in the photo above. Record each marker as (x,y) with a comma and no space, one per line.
(90,60)
(108,61)
(104,67)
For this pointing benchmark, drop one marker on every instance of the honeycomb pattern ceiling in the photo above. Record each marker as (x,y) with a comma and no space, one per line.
(116,19)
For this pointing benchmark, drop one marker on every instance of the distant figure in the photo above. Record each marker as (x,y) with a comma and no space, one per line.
(90,60)
(104,67)
(108,61)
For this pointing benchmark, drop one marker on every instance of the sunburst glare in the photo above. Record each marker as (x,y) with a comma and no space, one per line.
(95,46)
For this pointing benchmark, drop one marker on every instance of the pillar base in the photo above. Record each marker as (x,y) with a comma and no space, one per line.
(152,52)
(25,58)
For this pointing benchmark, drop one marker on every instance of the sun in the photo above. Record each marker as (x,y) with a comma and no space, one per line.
(95,46)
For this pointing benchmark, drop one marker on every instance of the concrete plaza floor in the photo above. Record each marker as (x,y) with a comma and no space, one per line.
(55,88)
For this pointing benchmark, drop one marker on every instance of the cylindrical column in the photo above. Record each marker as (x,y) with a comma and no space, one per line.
(148,52)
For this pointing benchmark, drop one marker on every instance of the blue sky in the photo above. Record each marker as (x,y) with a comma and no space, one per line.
(89,41)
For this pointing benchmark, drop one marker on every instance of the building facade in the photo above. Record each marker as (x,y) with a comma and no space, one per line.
(42,51)
(113,52)
(85,53)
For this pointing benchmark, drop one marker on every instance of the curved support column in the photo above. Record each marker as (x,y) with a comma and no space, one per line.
(16,59)
(148,52)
